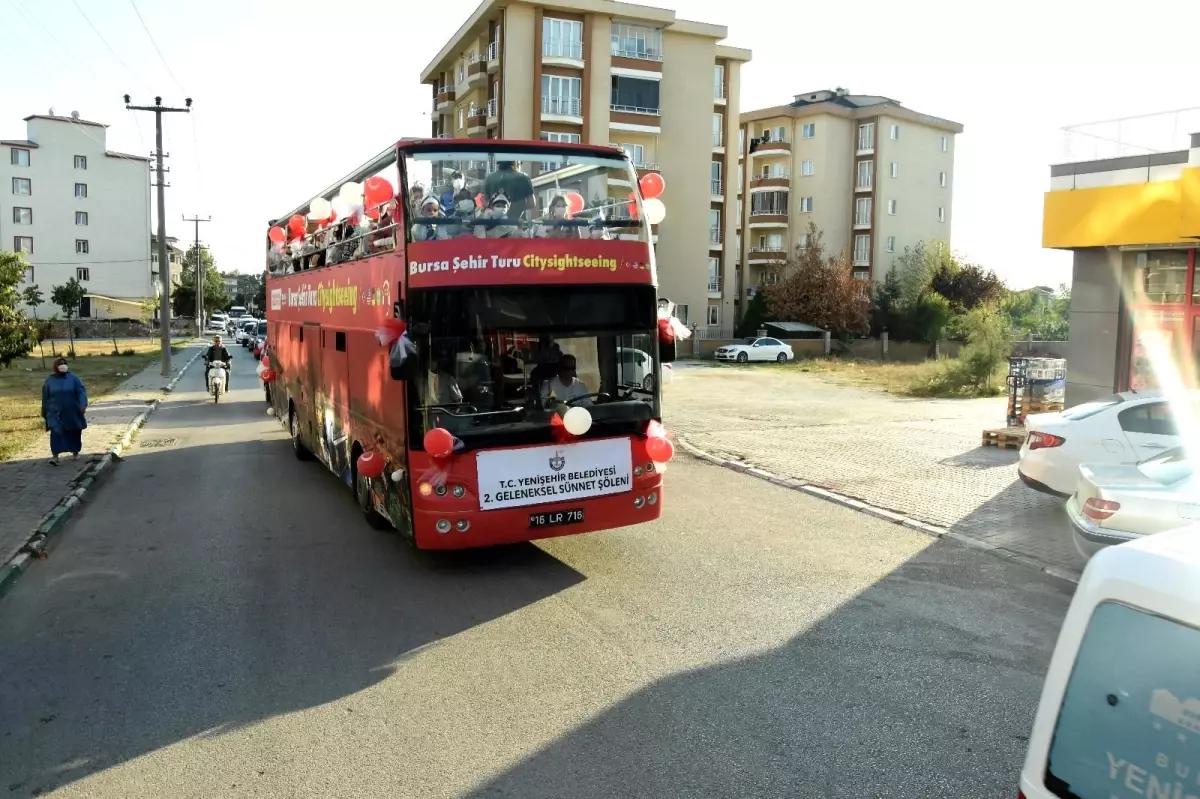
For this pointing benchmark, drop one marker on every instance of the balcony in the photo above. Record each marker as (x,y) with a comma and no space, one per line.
(863,185)
(444,102)
(562,54)
(718,141)
(477,123)
(767,255)
(770,182)
(636,54)
(714,238)
(861,222)
(445,136)
(765,148)
(562,109)
(635,109)
(714,287)
(768,217)
(477,72)
(493,111)
(862,261)
(493,57)
(717,188)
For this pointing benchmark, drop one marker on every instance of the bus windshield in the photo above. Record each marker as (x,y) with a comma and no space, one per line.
(496,364)
(551,193)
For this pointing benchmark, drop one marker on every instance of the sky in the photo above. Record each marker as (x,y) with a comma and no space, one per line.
(289,96)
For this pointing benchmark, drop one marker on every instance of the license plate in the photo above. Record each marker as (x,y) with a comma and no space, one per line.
(556,518)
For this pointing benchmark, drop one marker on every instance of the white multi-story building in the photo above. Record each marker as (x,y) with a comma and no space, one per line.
(77,209)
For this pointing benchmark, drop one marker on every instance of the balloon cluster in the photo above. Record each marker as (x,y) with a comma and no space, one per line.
(356,202)
(669,327)
(651,185)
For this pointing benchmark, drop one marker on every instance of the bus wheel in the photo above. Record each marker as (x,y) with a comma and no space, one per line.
(362,493)
(298,447)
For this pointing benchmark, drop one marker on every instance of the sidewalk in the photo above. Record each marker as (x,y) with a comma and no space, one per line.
(30,488)
(921,458)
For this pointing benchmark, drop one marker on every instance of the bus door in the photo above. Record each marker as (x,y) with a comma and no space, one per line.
(309,352)
(333,402)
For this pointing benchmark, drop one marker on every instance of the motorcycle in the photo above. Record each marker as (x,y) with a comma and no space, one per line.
(216,379)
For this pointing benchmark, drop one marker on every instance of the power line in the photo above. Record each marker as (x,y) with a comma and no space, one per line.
(106,44)
(161,57)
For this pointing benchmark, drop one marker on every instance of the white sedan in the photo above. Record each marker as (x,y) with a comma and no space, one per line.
(756,349)
(1124,429)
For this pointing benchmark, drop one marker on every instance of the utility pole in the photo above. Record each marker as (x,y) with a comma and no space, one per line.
(164,264)
(199,276)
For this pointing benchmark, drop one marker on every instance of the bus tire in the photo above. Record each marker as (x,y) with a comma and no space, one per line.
(362,496)
(302,452)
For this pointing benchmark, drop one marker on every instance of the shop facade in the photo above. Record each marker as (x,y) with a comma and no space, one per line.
(1133,226)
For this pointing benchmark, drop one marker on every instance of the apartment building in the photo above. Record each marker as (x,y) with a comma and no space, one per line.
(174,256)
(872,175)
(605,72)
(78,210)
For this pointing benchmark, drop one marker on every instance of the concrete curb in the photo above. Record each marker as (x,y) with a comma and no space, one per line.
(51,524)
(879,513)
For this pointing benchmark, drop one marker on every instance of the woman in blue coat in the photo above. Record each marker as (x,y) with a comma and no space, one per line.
(64,401)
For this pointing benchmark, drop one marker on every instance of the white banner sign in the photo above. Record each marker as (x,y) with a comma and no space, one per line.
(537,475)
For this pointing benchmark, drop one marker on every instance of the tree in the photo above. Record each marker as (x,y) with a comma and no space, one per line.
(148,309)
(988,346)
(966,285)
(183,299)
(33,297)
(15,340)
(68,297)
(819,291)
(1038,313)
(755,315)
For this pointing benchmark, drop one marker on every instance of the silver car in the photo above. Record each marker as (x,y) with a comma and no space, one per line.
(1116,503)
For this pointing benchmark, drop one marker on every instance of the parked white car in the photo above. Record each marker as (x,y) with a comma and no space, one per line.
(756,349)
(1124,429)
(637,368)
(1114,504)
(245,326)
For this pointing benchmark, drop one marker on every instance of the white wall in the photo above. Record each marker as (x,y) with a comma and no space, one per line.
(118,208)
(916,188)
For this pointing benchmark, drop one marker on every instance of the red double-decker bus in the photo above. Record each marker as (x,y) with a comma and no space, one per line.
(516,314)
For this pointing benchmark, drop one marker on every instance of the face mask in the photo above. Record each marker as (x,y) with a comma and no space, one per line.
(62,368)
(459,183)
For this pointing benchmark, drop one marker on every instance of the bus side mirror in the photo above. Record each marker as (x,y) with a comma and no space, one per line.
(666,351)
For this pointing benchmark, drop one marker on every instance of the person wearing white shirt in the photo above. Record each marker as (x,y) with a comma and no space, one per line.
(566,386)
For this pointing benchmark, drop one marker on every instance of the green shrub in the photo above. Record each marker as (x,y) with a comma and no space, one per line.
(128,353)
(979,369)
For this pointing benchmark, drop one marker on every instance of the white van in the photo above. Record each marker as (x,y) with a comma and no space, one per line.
(1119,716)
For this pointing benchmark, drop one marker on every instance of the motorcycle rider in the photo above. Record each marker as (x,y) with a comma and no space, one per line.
(217,352)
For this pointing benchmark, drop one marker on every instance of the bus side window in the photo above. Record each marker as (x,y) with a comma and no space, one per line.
(339,342)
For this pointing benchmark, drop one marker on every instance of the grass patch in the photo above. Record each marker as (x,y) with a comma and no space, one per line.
(101,372)
(930,379)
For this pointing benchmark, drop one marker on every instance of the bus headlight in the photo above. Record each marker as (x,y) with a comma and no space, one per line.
(443,525)
(426,489)
(639,502)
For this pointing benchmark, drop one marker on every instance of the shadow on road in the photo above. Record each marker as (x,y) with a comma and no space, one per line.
(906,690)
(212,587)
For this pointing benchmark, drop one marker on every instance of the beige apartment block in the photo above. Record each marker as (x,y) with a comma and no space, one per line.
(604,72)
(872,175)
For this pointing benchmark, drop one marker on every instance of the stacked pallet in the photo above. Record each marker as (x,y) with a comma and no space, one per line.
(1004,438)
(1035,385)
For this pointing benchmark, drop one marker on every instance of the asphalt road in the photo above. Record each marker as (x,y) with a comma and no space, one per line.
(218,621)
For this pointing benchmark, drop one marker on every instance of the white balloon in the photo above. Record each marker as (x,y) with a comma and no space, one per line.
(270,411)
(655,210)
(319,209)
(351,192)
(258,370)
(577,421)
(340,207)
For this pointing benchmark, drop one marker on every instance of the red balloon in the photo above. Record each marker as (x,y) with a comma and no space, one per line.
(633,211)
(268,376)
(370,464)
(652,185)
(574,202)
(666,333)
(377,191)
(332,218)
(297,225)
(439,443)
(266,362)
(479,200)
(660,450)
(276,235)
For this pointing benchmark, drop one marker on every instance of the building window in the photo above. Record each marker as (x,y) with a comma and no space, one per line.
(562,38)
(945,144)
(891,207)
(462,71)
(866,137)
(1157,277)
(808,130)
(802,241)
(714,316)
(23,244)
(714,274)
(636,41)
(462,117)
(81,162)
(780,133)
(741,140)
(22,186)
(741,177)
(941,214)
(866,170)
(806,168)
(81,191)
(22,216)
(769,203)
(20,157)
(561,95)
(862,250)
(681,312)
(81,247)
(942,179)
(891,243)
(718,130)
(81,218)
(806,205)
(714,226)
(719,81)
(633,95)
(575,138)
(637,153)
(82,273)
(862,211)
(895,133)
